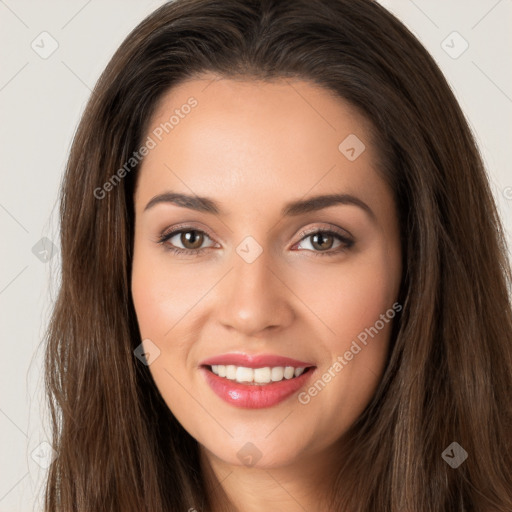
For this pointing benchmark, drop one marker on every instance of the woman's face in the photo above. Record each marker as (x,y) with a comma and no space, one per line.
(255,288)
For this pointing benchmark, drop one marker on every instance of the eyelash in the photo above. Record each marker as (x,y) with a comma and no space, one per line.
(346,242)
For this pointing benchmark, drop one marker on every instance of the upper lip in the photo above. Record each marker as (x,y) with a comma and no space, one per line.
(254,361)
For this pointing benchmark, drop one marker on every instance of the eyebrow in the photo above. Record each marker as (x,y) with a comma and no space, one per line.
(292,209)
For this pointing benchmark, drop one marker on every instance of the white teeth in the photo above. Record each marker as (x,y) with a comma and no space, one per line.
(277,373)
(289,371)
(244,374)
(231,372)
(256,375)
(262,375)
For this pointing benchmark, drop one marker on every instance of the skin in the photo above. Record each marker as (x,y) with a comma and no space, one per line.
(253,147)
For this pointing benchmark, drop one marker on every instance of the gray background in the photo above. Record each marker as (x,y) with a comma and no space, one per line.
(41,99)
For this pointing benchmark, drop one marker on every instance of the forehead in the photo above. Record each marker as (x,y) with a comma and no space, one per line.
(239,140)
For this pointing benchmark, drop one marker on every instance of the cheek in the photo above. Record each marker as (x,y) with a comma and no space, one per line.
(350,297)
(163,294)
(164,302)
(357,305)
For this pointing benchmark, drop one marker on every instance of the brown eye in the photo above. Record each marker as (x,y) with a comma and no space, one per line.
(191,239)
(325,242)
(322,241)
(186,241)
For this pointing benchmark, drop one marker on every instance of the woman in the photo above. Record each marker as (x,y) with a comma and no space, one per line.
(284,280)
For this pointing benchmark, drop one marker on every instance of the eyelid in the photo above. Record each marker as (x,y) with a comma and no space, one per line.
(326,227)
(180,228)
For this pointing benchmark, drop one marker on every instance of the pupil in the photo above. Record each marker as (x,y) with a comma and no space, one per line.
(192,237)
(322,237)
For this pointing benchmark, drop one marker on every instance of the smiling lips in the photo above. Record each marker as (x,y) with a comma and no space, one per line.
(255,382)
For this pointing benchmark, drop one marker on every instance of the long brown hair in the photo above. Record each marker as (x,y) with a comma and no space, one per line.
(449,373)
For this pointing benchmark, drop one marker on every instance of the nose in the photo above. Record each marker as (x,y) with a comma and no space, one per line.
(253,298)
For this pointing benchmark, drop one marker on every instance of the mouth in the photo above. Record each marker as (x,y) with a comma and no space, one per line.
(257,376)
(256,388)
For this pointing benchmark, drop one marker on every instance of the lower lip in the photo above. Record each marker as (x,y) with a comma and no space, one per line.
(254,396)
